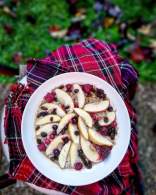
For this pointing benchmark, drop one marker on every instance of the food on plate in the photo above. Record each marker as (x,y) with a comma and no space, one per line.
(76,126)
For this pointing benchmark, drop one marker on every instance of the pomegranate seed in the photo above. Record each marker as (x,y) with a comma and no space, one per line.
(42,147)
(78,166)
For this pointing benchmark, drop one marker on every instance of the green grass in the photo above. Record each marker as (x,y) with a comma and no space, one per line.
(33,40)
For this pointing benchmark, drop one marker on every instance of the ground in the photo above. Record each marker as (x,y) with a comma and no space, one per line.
(145,104)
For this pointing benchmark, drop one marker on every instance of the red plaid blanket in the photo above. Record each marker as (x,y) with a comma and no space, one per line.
(94,57)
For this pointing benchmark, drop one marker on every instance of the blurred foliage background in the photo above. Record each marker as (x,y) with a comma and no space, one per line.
(27,30)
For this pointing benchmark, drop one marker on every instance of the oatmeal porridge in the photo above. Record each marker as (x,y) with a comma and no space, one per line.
(76,126)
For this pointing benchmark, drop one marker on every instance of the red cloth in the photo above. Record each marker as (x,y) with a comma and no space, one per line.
(94,57)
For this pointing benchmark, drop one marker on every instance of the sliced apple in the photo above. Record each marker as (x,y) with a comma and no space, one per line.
(47,119)
(72,128)
(97,106)
(64,98)
(111,117)
(80,95)
(45,128)
(54,143)
(73,153)
(64,154)
(85,116)
(50,106)
(64,121)
(89,150)
(99,139)
(83,128)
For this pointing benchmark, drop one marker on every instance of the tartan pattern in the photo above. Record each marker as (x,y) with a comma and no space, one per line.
(97,58)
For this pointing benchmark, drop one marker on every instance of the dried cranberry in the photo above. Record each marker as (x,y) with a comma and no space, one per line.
(78,166)
(65,140)
(74,120)
(56,152)
(42,147)
(69,87)
(87,88)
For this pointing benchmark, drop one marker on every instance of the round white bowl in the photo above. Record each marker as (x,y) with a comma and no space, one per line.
(70,176)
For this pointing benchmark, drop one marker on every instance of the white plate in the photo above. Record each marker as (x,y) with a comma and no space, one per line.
(67,176)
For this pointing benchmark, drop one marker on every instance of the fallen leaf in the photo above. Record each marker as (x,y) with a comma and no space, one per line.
(79,15)
(108,21)
(56,32)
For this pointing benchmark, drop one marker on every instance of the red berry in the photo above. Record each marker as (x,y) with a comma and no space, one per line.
(47,141)
(78,166)
(94,116)
(87,88)
(42,147)
(69,87)
(51,136)
(104,131)
(50,97)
